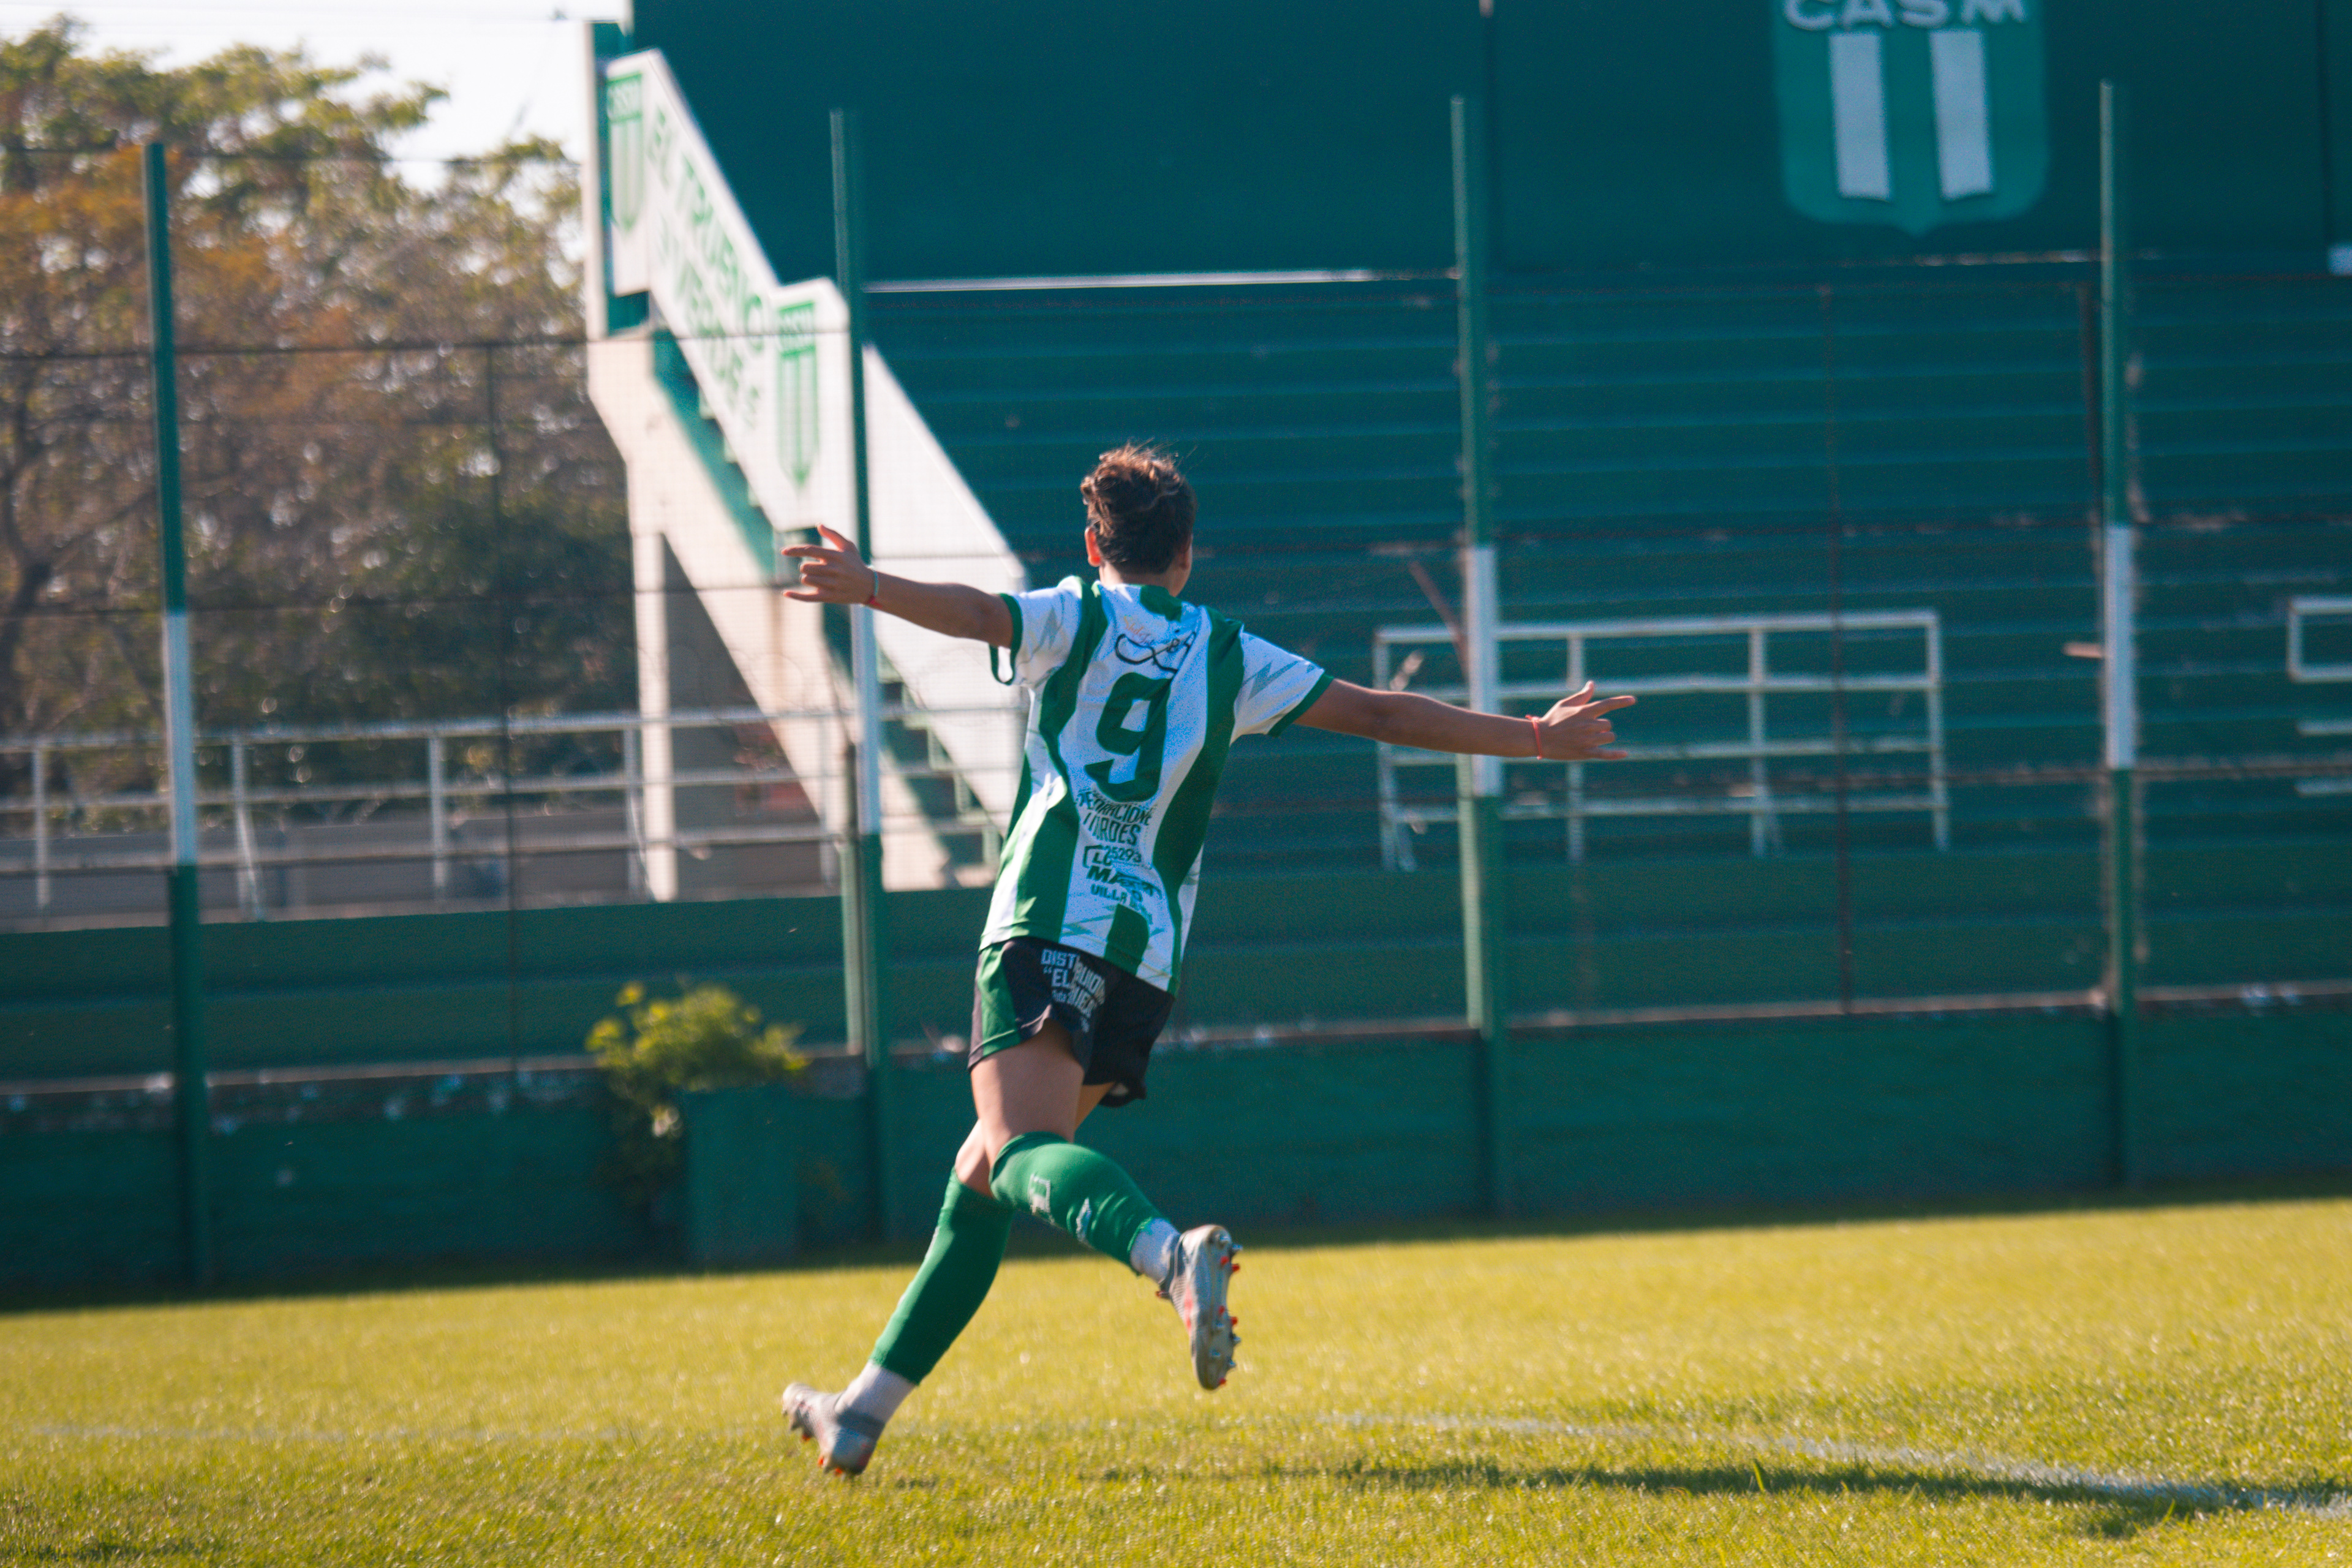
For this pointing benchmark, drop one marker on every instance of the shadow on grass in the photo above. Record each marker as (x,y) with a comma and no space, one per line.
(2115,1512)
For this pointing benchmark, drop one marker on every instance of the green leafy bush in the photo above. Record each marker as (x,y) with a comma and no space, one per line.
(707,1037)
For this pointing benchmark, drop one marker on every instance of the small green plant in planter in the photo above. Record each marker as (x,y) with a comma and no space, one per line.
(706,1037)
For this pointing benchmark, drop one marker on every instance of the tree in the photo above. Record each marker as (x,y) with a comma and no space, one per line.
(365,540)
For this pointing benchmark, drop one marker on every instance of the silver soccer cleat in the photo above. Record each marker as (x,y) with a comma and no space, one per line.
(844,1439)
(1196,1282)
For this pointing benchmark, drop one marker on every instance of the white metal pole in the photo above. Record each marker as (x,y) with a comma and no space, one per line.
(437,796)
(1479,616)
(248,870)
(653,704)
(1760,822)
(633,787)
(1941,789)
(2119,694)
(1576,770)
(41,828)
(865,671)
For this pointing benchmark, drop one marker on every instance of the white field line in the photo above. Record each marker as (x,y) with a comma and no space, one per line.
(2124,1484)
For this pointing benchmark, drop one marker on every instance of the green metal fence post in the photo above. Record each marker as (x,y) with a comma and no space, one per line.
(861,871)
(1480,779)
(191,1093)
(2119,588)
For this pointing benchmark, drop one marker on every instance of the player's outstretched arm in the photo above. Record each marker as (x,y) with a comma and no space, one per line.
(1576,730)
(834,573)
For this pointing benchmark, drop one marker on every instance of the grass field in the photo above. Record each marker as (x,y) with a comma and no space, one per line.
(2155,1385)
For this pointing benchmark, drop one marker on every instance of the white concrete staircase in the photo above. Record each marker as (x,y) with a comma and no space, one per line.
(756,458)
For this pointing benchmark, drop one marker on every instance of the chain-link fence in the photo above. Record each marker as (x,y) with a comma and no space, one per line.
(454,654)
(1842,542)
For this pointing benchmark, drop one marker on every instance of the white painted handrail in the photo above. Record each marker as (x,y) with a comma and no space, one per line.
(1761,803)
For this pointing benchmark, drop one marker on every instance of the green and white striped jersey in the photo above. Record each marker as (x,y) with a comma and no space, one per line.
(1134,698)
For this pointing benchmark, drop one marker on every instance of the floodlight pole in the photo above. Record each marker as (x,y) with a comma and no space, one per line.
(1479,780)
(861,871)
(191,1096)
(2119,692)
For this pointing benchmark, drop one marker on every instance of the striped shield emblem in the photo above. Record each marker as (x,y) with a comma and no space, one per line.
(1915,113)
(796,391)
(624,166)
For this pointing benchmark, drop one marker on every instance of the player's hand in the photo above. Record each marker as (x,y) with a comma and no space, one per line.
(1576,730)
(831,572)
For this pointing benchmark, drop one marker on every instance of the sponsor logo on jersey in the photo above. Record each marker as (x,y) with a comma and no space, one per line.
(1133,892)
(1114,821)
(1075,981)
(1167,658)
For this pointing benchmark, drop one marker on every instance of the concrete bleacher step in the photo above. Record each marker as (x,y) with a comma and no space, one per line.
(1679,451)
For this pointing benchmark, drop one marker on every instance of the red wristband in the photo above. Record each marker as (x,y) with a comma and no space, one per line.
(875,591)
(1536,725)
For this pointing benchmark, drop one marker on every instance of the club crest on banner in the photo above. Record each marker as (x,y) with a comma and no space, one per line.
(625,126)
(1915,113)
(796,390)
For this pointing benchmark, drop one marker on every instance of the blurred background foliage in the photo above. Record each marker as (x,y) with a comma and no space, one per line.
(661,1047)
(396,492)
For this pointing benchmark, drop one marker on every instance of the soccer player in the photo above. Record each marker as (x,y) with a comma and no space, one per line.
(1134,696)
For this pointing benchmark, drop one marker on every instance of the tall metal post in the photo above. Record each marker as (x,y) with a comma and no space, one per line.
(861,877)
(190,1094)
(2118,587)
(1480,779)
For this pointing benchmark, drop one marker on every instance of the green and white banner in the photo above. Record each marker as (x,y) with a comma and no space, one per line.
(1911,112)
(771,363)
(771,360)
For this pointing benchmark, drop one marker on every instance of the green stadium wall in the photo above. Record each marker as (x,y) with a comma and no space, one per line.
(1037,137)
(1280,951)
(1607,1120)
(1615,1122)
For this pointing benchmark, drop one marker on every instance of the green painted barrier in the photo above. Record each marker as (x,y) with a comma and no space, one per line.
(742,1192)
(1619,1120)
(1277,951)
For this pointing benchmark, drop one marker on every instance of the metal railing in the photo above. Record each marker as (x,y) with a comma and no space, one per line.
(2300,611)
(1758,797)
(441,787)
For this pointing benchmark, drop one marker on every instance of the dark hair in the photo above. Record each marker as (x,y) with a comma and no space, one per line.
(1140,508)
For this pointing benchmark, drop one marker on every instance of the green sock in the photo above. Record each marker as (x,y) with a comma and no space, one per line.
(949,1287)
(1075,1189)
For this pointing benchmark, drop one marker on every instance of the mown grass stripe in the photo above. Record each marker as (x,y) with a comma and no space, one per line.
(115,1433)
(2123,1486)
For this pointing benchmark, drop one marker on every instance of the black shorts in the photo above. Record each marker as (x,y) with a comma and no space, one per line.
(1113,1017)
